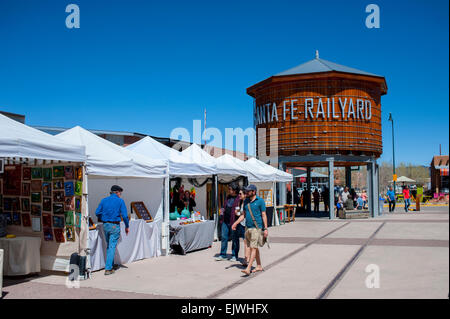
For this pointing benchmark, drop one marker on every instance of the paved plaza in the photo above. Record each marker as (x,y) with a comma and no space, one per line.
(400,255)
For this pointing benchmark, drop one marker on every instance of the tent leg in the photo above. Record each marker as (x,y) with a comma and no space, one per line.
(165,225)
(331,188)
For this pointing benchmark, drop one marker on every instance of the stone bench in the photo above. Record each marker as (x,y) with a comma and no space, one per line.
(355,214)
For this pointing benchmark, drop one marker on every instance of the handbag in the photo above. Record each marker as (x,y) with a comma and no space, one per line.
(261,239)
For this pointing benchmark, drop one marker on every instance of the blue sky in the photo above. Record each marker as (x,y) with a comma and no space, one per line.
(151,66)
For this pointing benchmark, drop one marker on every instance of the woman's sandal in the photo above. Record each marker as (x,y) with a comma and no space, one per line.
(257,270)
(245,272)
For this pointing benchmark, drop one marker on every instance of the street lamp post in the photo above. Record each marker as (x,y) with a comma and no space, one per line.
(393,149)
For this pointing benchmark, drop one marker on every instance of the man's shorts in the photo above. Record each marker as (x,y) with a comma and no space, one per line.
(251,237)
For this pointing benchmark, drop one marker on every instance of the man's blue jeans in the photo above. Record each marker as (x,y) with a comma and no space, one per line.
(407,204)
(112,235)
(227,232)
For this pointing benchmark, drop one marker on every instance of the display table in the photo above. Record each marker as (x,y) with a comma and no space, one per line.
(186,238)
(143,241)
(21,255)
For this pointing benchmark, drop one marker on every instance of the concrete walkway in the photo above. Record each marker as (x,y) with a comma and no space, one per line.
(405,255)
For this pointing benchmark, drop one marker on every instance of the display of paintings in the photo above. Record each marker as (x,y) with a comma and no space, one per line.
(79,188)
(48,234)
(26,173)
(79,173)
(70,233)
(35,210)
(58,197)
(26,220)
(36,197)
(46,220)
(68,188)
(59,235)
(36,224)
(16,219)
(25,204)
(36,172)
(58,208)
(47,174)
(26,189)
(69,203)
(47,204)
(46,189)
(78,220)
(77,204)
(58,171)
(12,180)
(69,218)
(7,204)
(15,204)
(36,185)
(58,221)
(68,172)
(58,184)
(141,211)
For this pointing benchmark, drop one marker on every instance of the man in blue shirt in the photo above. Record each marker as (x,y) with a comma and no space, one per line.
(391,199)
(109,212)
(252,233)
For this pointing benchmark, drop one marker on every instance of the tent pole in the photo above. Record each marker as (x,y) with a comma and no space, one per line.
(215,207)
(85,218)
(165,225)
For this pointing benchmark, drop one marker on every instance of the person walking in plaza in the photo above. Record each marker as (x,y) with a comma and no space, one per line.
(109,211)
(256,222)
(391,199)
(407,197)
(227,217)
(239,229)
(326,197)
(316,196)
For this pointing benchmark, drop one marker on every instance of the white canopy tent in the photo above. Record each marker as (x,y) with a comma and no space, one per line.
(313,175)
(142,178)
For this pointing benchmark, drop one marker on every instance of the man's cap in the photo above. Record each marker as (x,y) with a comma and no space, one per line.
(250,188)
(116,188)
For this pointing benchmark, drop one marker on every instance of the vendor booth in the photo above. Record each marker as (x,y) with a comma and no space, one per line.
(143,180)
(42,199)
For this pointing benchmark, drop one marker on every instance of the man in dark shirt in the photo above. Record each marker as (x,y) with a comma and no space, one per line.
(109,211)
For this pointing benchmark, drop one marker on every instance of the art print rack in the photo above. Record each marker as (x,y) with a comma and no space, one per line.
(141,211)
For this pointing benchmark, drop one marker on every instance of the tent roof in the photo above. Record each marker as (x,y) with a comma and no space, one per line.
(21,141)
(231,164)
(313,174)
(195,154)
(108,159)
(404,179)
(263,172)
(179,164)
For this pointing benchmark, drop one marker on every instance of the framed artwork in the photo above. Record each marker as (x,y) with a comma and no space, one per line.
(47,189)
(58,171)
(47,174)
(16,219)
(58,184)
(26,173)
(25,204)
(47,204)
(78,220)
(26,220)
(26,189)
(7,204)
(79,173)
(70,233)
(58,208)
(68,172)
(69,218)
(36,185)
(266,195)
(69,188)
(58,221)
(36,197)
(36,224)
(36,172)
(35,210)
(15,204)
(59,235)
(48,234)
(77,204)
(58,197)
(46,220)
(69,203)
(141,211)
(12,180)
(79,188)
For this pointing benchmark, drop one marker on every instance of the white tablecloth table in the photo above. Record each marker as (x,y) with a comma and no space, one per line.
(143,241)
(21,256)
